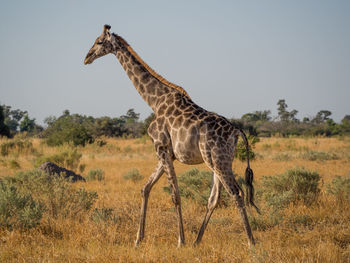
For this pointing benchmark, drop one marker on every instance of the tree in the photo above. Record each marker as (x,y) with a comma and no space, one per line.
(283,114)
(306,120)
(12,118)
(322,116)
(292,115)
(263,115)
(68,128)
(257,116)
(282,110)
(346,119)
(109,127)
(27,124)
(4,130)
(345,124)
(131,116)
(250,117)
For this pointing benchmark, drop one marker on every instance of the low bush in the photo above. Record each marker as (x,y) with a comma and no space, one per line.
(318,156)
(292,186)
(56,194)
(133,175)
(95,174)
(18,210)
(340,188)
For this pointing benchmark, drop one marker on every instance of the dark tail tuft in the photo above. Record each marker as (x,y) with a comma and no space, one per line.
(248,175)
(250,188)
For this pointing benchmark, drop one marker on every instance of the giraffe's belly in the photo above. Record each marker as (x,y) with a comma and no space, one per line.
(185,156)
(186,150)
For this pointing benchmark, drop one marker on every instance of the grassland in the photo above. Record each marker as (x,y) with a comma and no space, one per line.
(316,233)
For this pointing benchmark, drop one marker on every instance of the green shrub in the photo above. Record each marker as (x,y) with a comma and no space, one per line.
(196,185)
(133,175)
(18,209)
(104,215)
(318,156)
(57,194)
(241,152)
(68,159)
(95,174)
(292,186)
(340,188)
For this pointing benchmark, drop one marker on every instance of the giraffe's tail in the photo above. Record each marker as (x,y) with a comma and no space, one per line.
(249,175)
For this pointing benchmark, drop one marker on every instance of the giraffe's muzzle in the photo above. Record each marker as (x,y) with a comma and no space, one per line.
(89,58)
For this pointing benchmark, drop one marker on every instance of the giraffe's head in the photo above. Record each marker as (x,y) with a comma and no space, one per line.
(101,47)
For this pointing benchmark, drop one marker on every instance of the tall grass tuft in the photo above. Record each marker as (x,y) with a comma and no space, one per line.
(13,164)
(95,174)
(104,215)
(16,146)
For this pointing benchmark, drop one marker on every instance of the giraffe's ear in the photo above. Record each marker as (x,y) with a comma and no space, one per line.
(106,29)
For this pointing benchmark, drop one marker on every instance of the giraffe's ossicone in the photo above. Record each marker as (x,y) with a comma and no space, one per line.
(181,130)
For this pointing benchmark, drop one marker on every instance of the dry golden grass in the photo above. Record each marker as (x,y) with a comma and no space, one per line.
(326,239)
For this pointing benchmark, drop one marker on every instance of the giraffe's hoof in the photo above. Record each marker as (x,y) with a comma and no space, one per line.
(195,244)
(180,244)
(137,243)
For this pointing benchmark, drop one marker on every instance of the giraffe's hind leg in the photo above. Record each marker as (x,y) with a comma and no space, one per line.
(212,203)
(234,190)
(145,194)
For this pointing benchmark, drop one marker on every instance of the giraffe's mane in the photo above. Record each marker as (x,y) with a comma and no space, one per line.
(149,69)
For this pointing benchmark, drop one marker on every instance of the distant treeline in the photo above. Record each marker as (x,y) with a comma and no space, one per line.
(260,123)
(81,129)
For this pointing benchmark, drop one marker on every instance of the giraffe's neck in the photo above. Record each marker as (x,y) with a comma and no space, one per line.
(149,86)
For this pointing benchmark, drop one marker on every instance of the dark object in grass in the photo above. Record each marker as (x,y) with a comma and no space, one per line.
(53,169)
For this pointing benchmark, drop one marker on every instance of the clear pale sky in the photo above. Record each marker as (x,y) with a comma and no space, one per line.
(232,57)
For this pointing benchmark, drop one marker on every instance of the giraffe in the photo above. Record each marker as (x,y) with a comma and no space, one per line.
(181,131)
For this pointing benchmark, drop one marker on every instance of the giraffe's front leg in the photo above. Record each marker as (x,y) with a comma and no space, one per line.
(145,194)
(167,161)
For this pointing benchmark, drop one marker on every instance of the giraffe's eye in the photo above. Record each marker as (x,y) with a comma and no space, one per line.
(99,43)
